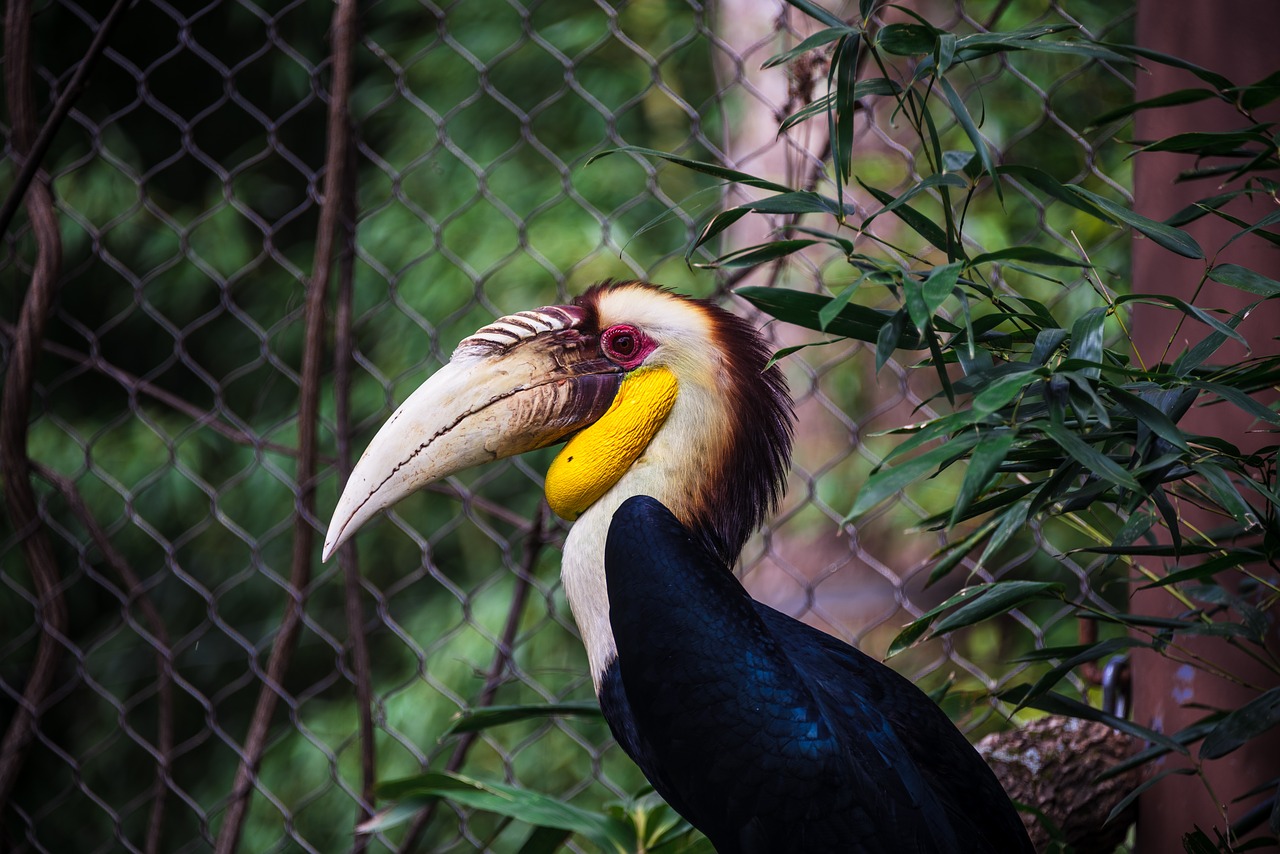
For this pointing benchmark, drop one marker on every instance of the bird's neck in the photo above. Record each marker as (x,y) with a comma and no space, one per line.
(673,469)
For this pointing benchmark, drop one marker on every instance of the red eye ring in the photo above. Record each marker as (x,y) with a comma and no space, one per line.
(624,344)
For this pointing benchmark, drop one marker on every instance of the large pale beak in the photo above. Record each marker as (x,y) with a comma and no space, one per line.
(523,382)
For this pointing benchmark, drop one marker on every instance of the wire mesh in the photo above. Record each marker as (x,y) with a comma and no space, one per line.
(188,182)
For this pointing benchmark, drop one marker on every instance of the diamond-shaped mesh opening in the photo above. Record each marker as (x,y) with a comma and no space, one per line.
(188,180)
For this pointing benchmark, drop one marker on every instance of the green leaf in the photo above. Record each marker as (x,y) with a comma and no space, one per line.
(844,72)
(918,222)
(889,481)
(971,130)
(1207,205)
(798,202)
(1090,458)
(1235,396)
(1057,704)
(888,337)
(907,39)
(956,161)
(714,226)
(474,720)
(997,393)
(1187,309)
(1211,77)
(941,179)
(1225,492)
(763,253)
(1243,724)
(1173,239)
(513,802)
(919,313)
(818,39)
(854,321)
(1152,417)
(1210,143)
(820,106)
(1050,186)
(545,840)
(1244,279)
(1077,657)
(818,13)
(1087,338)
(916,628)
(1170,99)
(998,598)
(712,169)
(1029,254)
(983,465)
(939,285)
(1200,353)
(1260,94)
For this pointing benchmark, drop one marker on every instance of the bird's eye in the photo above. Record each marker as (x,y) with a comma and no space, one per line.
(622,343)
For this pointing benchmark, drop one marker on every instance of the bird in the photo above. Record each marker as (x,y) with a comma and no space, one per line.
(766,734)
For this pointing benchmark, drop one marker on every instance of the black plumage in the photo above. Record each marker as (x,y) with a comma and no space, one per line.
(768,735)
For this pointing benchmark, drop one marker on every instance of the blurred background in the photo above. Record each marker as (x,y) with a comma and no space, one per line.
(188,179)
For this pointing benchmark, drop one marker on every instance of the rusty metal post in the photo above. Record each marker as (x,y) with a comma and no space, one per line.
(1235,38)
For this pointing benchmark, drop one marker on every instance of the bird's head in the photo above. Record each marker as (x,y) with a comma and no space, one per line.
(656,393)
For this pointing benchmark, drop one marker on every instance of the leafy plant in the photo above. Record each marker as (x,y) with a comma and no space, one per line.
(1050,413)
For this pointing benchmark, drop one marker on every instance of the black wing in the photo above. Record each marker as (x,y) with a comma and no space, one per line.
(762,747)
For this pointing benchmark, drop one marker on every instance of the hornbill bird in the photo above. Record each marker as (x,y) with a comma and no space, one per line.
(766,734)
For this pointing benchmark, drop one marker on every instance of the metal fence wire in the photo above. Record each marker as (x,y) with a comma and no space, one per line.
(177,668)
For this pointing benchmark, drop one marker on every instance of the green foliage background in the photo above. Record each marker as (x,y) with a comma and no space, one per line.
(188,181)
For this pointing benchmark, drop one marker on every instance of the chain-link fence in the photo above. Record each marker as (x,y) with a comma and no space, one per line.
(175,662)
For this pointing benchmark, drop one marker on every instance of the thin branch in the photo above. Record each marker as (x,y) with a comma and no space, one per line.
(348,560)
(164,664)
(34,154)
(331,213)
(206,418)
(15,410)
(493,680)
(135,385)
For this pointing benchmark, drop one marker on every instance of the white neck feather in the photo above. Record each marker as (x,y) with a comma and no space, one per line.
(672,469)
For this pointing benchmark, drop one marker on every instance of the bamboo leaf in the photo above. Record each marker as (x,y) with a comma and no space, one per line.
(712,169)
(907,39)
(1245,279)
(821,37)
(914,630)
(1173,239)
(818,13)
(918,222)
(1057,704)
(853,321)
(1240,726)
(1211,77)
(1090,458)
(511,801)
(763,253)
(971,130)
(983,466)
(1029,254)
(1169,99)
(939,285)
(941,179)
(998,598)
(714,226)
(474,720)
(889,481)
